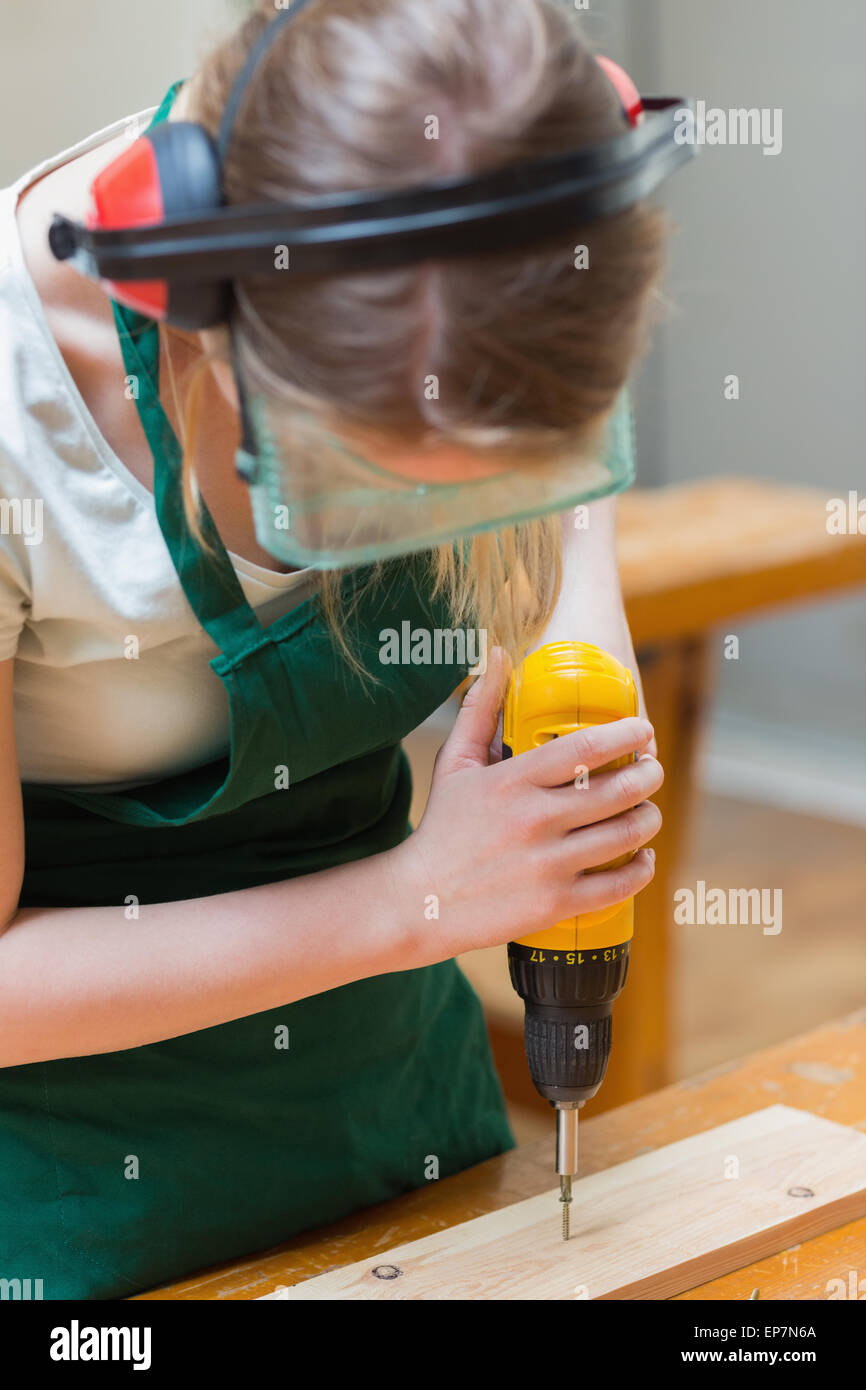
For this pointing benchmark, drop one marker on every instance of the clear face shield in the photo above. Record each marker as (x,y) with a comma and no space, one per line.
(319,501)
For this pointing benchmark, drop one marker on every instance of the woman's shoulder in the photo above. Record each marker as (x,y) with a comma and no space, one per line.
(71,302)
(62,361)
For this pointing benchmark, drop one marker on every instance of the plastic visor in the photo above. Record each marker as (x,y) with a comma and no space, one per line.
(316,503)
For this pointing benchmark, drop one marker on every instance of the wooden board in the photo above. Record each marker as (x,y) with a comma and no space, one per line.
(646,1229)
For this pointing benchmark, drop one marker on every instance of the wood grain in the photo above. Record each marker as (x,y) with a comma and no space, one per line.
(646,1229)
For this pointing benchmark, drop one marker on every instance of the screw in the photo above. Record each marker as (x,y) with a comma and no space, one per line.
(386,1272)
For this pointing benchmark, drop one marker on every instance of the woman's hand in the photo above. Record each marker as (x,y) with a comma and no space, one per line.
(503,847)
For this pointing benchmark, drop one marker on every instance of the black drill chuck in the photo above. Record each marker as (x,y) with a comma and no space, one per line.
(568,998)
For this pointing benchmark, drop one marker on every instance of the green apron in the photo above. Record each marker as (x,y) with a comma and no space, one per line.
(128,1169)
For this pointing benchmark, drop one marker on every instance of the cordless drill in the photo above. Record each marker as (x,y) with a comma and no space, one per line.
(570,974)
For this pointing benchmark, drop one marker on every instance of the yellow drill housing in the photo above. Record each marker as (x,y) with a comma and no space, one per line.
(561,688)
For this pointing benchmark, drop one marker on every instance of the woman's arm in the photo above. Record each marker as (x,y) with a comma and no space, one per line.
(75,981)
(591,607)
(500,847)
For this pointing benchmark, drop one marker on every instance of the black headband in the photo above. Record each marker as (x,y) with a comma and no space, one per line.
(262,45)
(507,208)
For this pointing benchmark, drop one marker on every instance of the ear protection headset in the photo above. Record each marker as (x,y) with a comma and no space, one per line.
(161,236)
(162,239)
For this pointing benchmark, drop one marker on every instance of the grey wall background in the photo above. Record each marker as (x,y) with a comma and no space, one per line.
(71,68)
(767,280)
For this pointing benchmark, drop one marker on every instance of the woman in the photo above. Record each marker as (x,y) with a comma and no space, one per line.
(226,1011)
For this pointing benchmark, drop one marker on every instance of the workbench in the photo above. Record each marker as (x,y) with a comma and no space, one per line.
(823,1072)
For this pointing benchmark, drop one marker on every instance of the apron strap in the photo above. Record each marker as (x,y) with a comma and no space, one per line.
(205,571)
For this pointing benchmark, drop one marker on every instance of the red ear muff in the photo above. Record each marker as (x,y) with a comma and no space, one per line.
(127,194)
(173,170)
(625,89)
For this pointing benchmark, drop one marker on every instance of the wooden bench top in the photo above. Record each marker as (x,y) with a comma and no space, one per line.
(701,553)
(823,1072)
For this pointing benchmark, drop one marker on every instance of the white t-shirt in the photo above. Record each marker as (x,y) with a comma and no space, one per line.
(84,568)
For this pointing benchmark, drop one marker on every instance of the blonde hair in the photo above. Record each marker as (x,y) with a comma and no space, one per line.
(528,353)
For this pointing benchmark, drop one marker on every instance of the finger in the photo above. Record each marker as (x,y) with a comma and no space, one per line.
(468,744)
(560,760)
(609,886)
(496,745)
(599,844)
(606,793)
